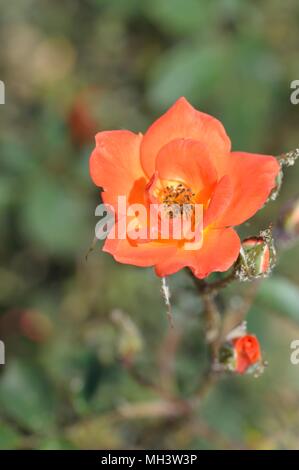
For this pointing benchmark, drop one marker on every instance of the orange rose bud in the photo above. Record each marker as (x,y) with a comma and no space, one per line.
(241,354)
(247,353)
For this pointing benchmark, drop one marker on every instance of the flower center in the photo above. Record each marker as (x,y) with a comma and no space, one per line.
(177,199)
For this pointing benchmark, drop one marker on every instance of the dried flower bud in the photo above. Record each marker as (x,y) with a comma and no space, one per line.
(257,256)
(287,229)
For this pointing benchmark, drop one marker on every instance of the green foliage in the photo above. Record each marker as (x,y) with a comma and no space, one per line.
(66,382)
(281,296)
(54,216)
(9,438)
(179,17)
(186,71)
(25,397)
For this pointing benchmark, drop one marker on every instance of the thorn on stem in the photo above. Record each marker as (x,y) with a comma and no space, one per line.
(91,248)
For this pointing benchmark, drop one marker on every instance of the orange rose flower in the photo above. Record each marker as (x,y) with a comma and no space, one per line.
(248,353)
(184,157)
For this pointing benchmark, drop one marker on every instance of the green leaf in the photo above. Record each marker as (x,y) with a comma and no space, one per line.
(249,79)
(178,17)
(15,157)
(186,70)
(9,438)
(55,217)
(25,396)
(202,71)
(281,296)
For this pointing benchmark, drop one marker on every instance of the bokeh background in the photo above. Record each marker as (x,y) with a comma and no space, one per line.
(71,327)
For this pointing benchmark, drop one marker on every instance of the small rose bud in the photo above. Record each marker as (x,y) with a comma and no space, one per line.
(242,355)
(258,251)
(247,353)
(257,256)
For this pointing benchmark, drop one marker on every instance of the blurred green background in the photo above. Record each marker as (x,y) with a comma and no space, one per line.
(71,326)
